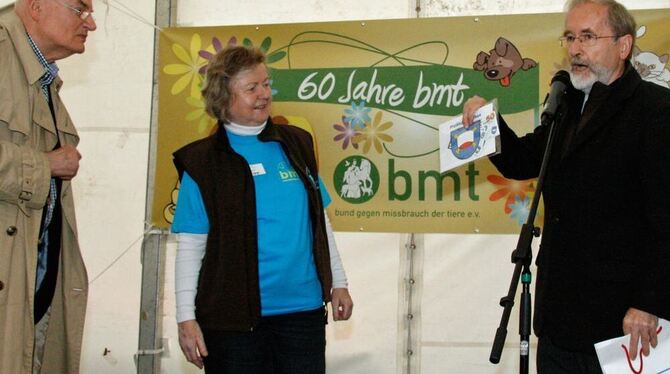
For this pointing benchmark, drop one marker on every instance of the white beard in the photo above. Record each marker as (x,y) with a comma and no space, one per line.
(594,74)
(583,83)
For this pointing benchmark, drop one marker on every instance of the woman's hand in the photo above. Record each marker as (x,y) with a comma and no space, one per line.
(192,342)
(342,304)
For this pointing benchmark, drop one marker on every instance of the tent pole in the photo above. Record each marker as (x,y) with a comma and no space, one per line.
(150,342)
(410,286)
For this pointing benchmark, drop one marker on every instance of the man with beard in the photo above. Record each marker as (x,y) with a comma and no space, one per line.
(602,266)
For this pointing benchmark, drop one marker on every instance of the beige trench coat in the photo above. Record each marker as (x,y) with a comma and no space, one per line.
(26,132)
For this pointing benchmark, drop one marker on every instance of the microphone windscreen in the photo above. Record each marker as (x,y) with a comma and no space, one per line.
(561,76)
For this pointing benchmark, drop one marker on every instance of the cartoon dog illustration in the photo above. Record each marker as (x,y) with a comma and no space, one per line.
(502,62)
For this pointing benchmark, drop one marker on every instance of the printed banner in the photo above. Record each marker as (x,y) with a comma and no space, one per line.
(373,94)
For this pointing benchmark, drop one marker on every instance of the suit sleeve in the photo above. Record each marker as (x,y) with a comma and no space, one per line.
(520,157)
(654,293)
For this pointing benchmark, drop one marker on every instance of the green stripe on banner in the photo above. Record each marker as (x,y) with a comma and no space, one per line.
(431,89)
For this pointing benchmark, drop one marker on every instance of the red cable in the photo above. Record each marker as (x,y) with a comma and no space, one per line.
(630,363)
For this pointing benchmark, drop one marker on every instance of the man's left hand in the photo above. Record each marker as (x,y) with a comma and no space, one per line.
(642,327)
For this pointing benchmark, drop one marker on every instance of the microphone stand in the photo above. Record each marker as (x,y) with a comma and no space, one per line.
(522,257)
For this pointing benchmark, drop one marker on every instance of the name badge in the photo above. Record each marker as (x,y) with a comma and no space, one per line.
(257,169)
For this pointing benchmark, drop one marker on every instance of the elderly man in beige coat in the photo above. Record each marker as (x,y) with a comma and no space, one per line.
(43,281)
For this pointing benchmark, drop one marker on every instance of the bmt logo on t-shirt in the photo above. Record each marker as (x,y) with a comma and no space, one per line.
(286,172)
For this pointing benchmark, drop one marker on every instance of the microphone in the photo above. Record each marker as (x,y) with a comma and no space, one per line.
(559,86)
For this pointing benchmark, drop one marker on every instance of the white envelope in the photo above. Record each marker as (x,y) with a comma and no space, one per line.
(614,360)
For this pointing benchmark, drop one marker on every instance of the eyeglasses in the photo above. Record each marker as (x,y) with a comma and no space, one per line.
(82,14)
(586,39)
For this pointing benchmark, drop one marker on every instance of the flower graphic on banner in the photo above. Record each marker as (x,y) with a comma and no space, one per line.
(346,134)
(520,209)
(189,69)
(216,47)
(272,57)
(199,114)
(373,134)
(357,115)
(510,189)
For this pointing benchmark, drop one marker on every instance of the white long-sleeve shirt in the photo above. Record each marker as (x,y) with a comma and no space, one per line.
(191,250)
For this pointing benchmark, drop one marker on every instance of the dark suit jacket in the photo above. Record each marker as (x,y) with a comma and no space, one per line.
(606,239)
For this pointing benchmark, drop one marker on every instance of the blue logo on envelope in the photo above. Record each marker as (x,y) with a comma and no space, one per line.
(465,141)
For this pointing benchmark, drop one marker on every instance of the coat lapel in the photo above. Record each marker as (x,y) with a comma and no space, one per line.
(63,120)
(42,113)
(607,111)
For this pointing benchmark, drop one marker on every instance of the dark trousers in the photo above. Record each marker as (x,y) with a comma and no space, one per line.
(556,360)
(285,344)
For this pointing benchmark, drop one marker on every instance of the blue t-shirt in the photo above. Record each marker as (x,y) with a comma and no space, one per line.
(287,274)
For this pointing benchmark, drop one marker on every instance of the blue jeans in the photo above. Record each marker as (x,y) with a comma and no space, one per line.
(288,344)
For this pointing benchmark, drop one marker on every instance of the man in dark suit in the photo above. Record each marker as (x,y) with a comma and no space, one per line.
(605,252)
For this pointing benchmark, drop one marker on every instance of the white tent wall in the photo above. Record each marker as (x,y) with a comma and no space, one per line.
(108,92)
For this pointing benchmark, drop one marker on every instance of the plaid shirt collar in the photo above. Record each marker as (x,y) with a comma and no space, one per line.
(50,70)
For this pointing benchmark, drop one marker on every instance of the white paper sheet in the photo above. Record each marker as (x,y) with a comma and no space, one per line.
(613,357)
(460,145)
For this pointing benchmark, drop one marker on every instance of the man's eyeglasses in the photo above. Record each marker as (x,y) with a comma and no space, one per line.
(586,39)
(82,14)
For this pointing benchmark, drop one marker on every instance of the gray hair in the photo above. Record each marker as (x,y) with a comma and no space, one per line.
(618,17)
(221,70)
